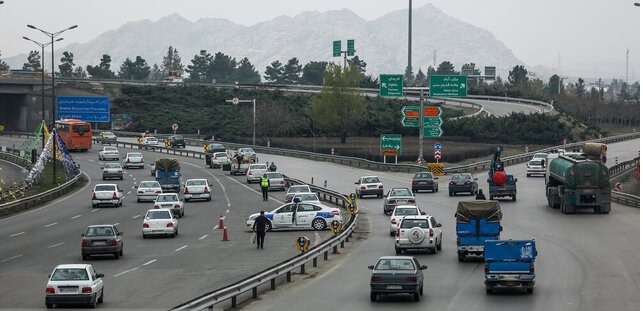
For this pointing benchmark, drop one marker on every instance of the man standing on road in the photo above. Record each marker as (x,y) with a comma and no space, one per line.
(260,227)
(265,185)
(239,158)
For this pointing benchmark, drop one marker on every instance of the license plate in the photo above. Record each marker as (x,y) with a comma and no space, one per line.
(394,287)
(100,243)
(68,289)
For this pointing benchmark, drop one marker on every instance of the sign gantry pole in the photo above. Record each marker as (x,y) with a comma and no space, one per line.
(236,101)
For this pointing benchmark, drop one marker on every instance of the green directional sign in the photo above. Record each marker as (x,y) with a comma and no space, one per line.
(432,131)
(411,116)
(337,48)
(432,121)
(391,144)
(448,86)
(391,85)
(350,50)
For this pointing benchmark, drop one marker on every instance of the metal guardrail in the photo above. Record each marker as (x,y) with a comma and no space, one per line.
(16,190)
(36,200)
(252,283)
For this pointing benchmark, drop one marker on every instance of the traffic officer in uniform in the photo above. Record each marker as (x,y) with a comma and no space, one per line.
(265,185)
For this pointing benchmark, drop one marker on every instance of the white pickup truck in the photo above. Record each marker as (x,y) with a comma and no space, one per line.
(107,194)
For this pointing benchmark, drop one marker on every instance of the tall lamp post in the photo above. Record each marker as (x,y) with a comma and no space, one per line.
(52,35)
(42,67)
(235,101)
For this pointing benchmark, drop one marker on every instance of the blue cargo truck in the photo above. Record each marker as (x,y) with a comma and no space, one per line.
(168,174)
(476,222)
(509,263)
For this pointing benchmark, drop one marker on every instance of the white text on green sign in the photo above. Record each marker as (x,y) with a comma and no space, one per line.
(391,85)
(448,86)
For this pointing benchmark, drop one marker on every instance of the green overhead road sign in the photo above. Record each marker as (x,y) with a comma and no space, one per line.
(391,85)
(448,86)
(337,48)
(350,50)
(391,144)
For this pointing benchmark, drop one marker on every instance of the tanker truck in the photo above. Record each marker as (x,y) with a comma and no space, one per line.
(500,183)
(578,181)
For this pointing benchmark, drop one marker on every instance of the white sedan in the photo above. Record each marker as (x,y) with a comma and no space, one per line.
(160,222)
(303,215)
(77,284)
(399,212)
(148,190)
(108,153)
(170,201)
(149,143)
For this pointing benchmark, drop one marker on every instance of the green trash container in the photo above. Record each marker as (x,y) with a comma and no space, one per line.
(226,167)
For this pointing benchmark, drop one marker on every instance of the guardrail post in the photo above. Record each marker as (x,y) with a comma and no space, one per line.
(234,301)
(288,276)
(273,285)
(314,262)
(302,269)
(254,292)
(326,255)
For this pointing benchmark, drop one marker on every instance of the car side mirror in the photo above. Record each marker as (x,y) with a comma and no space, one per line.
(135,187)
(371,267)
(500,228)
(516,179)
(475,179)
(439,225)
(210,185)
(100,275)
(423,213)
(423,267)
(357,182)
(435,178)
(82,234)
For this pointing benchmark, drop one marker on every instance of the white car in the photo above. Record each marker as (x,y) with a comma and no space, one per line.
(77,284)
(133,159)
(248,152)
(303,215)
(112,170)
(255,171)
(418,232)
(149,143)
(197,189)
(219,158)
(369,185)
(107,194)
(109,153)
(536,167)
(399,212)
(308,197)
(170,201)
(294,189)
(148,190)
(160,222)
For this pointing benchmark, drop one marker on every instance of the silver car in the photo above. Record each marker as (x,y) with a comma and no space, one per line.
(277,181)
(112,170)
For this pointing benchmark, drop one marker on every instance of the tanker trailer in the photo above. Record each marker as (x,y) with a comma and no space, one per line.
(578,181)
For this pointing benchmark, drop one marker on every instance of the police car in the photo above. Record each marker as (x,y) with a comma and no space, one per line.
(303,215)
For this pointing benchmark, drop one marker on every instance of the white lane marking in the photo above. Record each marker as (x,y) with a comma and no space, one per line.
(180,248)
(225,193)
(149,262)
(137,216)
(126,271)
(51,224)
(95,210)
(11,258)
(17,234)
(203,237)
(80,215)
(57,244)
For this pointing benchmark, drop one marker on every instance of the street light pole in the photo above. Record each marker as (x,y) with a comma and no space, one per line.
(52,35)
(42,96)
(236,101)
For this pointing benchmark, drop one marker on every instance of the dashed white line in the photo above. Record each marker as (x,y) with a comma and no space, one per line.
(203,237)
(180,248)
(149,262)
(17,234)
(11,258)
(54,245)
(137,216)
(95,210)
(77,216)
(51,224)
(130,270)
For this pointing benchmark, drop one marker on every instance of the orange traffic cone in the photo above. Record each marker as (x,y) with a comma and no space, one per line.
(221,221)
(225,234)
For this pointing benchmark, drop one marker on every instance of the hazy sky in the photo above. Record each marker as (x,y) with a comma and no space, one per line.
(538,32)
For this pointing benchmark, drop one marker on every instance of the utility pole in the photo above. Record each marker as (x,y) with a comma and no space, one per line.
(408,66)
(235,101)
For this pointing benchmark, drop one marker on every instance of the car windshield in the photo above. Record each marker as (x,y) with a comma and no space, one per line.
(196,183)
(405,211)
(99,231)
(422,175)
(258,167)
(111,149)
(411,223)
(149,184)
(178,137)
(370,180)
(158,215)
(536,162)
(274,175)
(400,193)
(70,274)
(134,155)
(461,177)
(307,197)
(221,155)
(105,188)
(152,140)
(246,150)
(394,264)
(112,165)
(166,198)
(295,189)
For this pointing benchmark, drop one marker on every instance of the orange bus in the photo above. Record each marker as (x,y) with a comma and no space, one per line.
(76,134)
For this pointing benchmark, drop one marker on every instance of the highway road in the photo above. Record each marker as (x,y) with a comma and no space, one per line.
(586,261)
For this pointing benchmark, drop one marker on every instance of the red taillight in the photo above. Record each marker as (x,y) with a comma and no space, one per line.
(87,290)
(249,172)
(140,192)
(283,181)
(112,242)
(380,187)
(415,182)
(430,232)
(50,290)
(376,278)
(392,201)
(362,187)
(156,206)
(335,212)
(398,232)
(186,190)
(85,243)
(146,225)
(486,268)
(457,241)
(169,225)
(393,221)
(411,279)
(159,191)
(114,195)
(177,206)
(206,189)
(128,161)
(531,268)
(94,195)
(411,201)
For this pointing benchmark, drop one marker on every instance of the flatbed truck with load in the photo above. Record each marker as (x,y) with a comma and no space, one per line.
(576,181)
(168,173)
(509,263)
(476,222)
(500,183)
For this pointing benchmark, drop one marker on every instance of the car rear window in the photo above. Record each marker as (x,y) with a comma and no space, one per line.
(196,182)
(158,215)
(105,188)
(410,223)
(69,274)
(394,264)
(406,211)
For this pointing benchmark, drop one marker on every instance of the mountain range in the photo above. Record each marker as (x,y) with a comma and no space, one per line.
(382,43)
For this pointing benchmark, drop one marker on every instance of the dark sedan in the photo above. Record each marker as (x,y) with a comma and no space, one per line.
(101,240)
(397,275)
(463,182)
(424,181)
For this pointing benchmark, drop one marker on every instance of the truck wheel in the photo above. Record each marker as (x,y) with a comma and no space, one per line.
(513,197)
(460,257)
(416,296)
(530,290)
(489,289)
(373,297)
